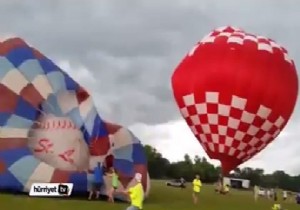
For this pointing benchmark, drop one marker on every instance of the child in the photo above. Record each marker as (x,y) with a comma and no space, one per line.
(136,194)
(196,188)
(115,183)
(225,189)
(277,206)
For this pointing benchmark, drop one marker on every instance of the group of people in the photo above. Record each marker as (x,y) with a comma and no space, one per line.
(269,194)
(98,181)
(224,189)
(135,194)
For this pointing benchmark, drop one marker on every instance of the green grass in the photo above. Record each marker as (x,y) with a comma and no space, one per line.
(161,198)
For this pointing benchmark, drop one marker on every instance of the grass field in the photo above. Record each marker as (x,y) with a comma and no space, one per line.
(161,198)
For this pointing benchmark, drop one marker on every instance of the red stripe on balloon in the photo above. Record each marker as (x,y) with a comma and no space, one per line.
(60,176)
(12,143)
(9,100)
(9,44)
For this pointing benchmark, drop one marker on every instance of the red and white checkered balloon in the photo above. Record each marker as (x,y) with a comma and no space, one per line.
(236,91)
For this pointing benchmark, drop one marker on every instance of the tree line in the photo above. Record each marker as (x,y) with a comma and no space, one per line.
(161,168)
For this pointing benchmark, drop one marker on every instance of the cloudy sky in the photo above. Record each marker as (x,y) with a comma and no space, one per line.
(124,53)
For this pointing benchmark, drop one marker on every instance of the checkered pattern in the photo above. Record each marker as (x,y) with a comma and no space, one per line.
(41,87)
(230,128)
(234,36)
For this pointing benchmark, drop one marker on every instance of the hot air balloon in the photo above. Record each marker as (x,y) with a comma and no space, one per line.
(236,91)
(50,130)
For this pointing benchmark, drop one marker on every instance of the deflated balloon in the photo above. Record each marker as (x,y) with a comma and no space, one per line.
(50,130)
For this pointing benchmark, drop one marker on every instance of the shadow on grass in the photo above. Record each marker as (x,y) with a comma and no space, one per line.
(75,196)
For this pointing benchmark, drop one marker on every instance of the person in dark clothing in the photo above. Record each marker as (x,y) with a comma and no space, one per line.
(275,195)
(98,181)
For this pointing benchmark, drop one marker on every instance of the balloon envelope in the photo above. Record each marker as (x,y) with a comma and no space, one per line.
(50,130)
(236,91)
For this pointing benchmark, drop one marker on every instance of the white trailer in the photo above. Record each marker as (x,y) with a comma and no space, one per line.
(236,183)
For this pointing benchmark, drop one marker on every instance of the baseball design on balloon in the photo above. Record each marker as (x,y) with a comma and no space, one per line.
(236,91)
(59,143)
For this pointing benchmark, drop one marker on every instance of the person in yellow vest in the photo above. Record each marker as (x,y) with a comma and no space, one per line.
(197,184)
(277,207)
(136,194)
(225,189)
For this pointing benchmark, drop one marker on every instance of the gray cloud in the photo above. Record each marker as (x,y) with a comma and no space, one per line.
(124,52)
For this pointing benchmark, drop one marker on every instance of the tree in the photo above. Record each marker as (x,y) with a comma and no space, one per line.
(157,165)
(197,159)
(237,172)
(160,168)
(187,159)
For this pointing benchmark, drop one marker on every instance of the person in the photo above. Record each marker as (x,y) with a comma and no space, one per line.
(269,194)
(182,183)
(276,206)
(275,197)
(297,198)
(197,184)
(284,195)
(290,196)
(225,189)
(220,184)
(115,183)
(97,182)
(272,193)
(136,194)
(255,192)
(216,187)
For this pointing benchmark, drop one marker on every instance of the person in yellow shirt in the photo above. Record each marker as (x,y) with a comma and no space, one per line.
(277,206)
(225,189)
(136,194)
(197,184)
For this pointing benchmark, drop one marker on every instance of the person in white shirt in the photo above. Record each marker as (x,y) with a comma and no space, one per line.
(268,194)
(284,195)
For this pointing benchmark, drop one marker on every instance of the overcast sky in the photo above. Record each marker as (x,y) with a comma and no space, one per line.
(124,53)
